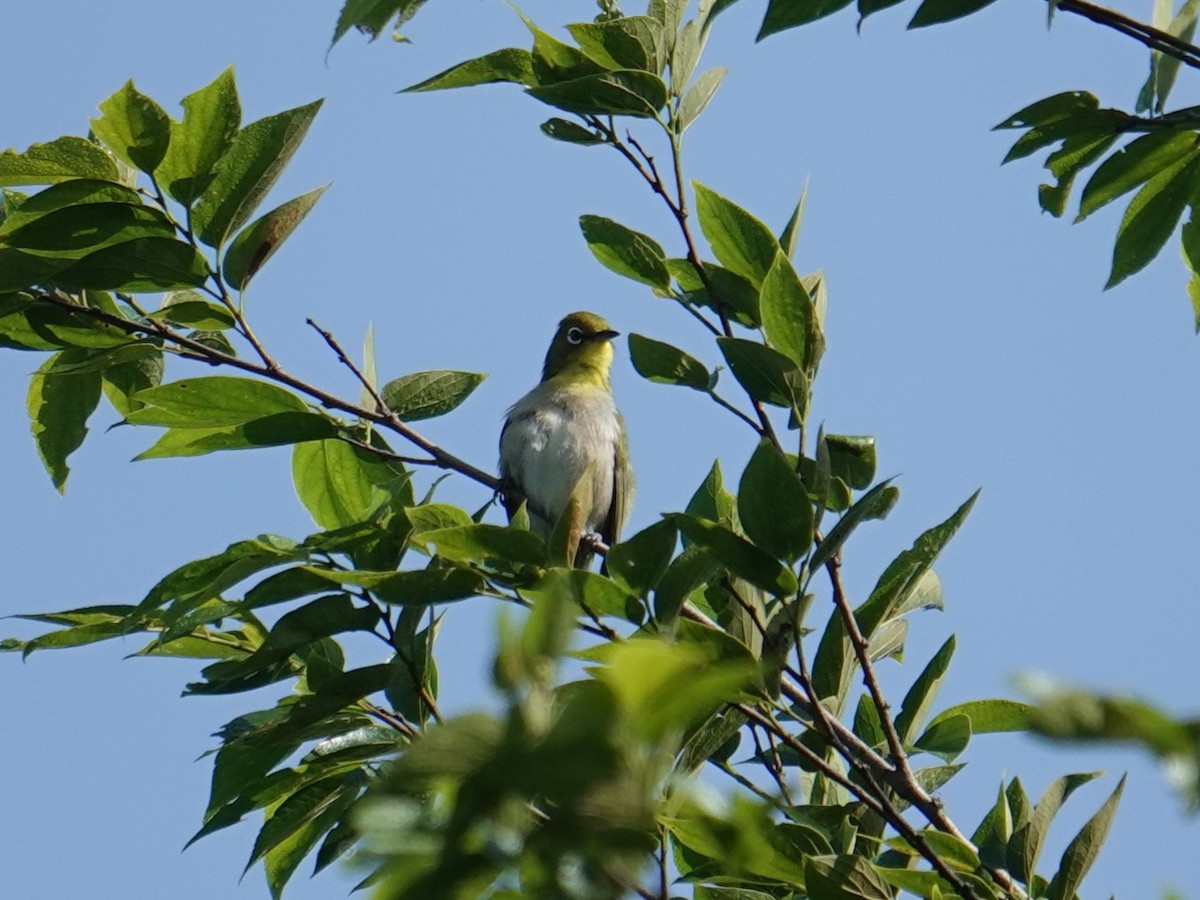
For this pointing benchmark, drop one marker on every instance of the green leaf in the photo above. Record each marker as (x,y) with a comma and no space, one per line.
(626,252)
(58,160)
(597,595)
(784,14)
(479,542)
(852,459)
(931,12)
(711,500)
(77,192)
(625,92)
(213,401)
(122,380)
(134,127)
(875,504)
(423,587)
(1083,849)
(299,809)
(923,692)
(664,364)
(1152,216)
(843,878)
(190,309)
(76,231)
(77,636)
(767,375)
(991,837)
(791,232)
(638,562)
(688,571)
(247,170)
(320,618)
(773,505)
(205,578)
(142,264)
(946,738)
(508,65)
(284,858)
(668,687)
(698,96)
(1029,838)
(372,16)
(742,243)
(630,42)
(741,557)
(211,117)
(570,132)
(426,395)
(433,516)
(1134,165)
(724,291)
(257,243)
(904,575)
(274,430)
(59,407)
(340,484)
(989,716)
(1077,153)
(789,316)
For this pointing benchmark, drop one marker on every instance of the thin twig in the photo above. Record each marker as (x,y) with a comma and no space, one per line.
(152,328)
(876,802)
(725,404)
(380,404)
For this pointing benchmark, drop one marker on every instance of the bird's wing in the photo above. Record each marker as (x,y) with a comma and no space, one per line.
(622,494)
(510,479)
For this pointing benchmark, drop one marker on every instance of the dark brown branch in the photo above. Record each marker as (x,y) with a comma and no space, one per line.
(201,351)
(1154,38)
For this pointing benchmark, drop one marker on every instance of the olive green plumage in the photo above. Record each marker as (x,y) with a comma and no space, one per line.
(565,441)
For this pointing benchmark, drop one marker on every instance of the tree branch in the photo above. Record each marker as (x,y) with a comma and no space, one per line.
(195,349)
(1154,38)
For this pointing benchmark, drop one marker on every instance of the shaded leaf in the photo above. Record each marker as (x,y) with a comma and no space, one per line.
(1152,216)
(275,430)
(58,160)
(508,65)
(1083,849)
(662,363)
(570,132)
(624,92)
(211,117)
(767,375)
(59,407)
(773,506)
(625,251)
(247,170)
(1133,165)
(212,401)
(250,250)
(741,557)
(134,127)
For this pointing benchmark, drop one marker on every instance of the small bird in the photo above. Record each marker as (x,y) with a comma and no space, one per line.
(563,449)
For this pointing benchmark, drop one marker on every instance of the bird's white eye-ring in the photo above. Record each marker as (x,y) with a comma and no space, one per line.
(574,336)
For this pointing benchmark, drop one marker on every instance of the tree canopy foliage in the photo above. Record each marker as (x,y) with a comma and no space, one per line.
(722,635)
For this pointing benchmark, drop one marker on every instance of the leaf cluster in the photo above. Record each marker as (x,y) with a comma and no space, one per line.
(720,635)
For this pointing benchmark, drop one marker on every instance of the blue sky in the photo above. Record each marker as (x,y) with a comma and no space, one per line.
(966,331)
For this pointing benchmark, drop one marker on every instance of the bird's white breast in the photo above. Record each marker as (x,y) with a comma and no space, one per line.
(553,437)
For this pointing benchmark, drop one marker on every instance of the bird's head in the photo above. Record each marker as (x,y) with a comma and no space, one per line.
(581,349)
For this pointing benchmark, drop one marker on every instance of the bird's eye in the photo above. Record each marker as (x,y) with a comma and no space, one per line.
(574,336)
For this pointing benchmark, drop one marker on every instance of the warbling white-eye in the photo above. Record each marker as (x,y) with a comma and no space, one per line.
(563,449)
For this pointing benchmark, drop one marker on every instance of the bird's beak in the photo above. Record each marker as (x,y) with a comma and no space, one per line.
(607,335)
